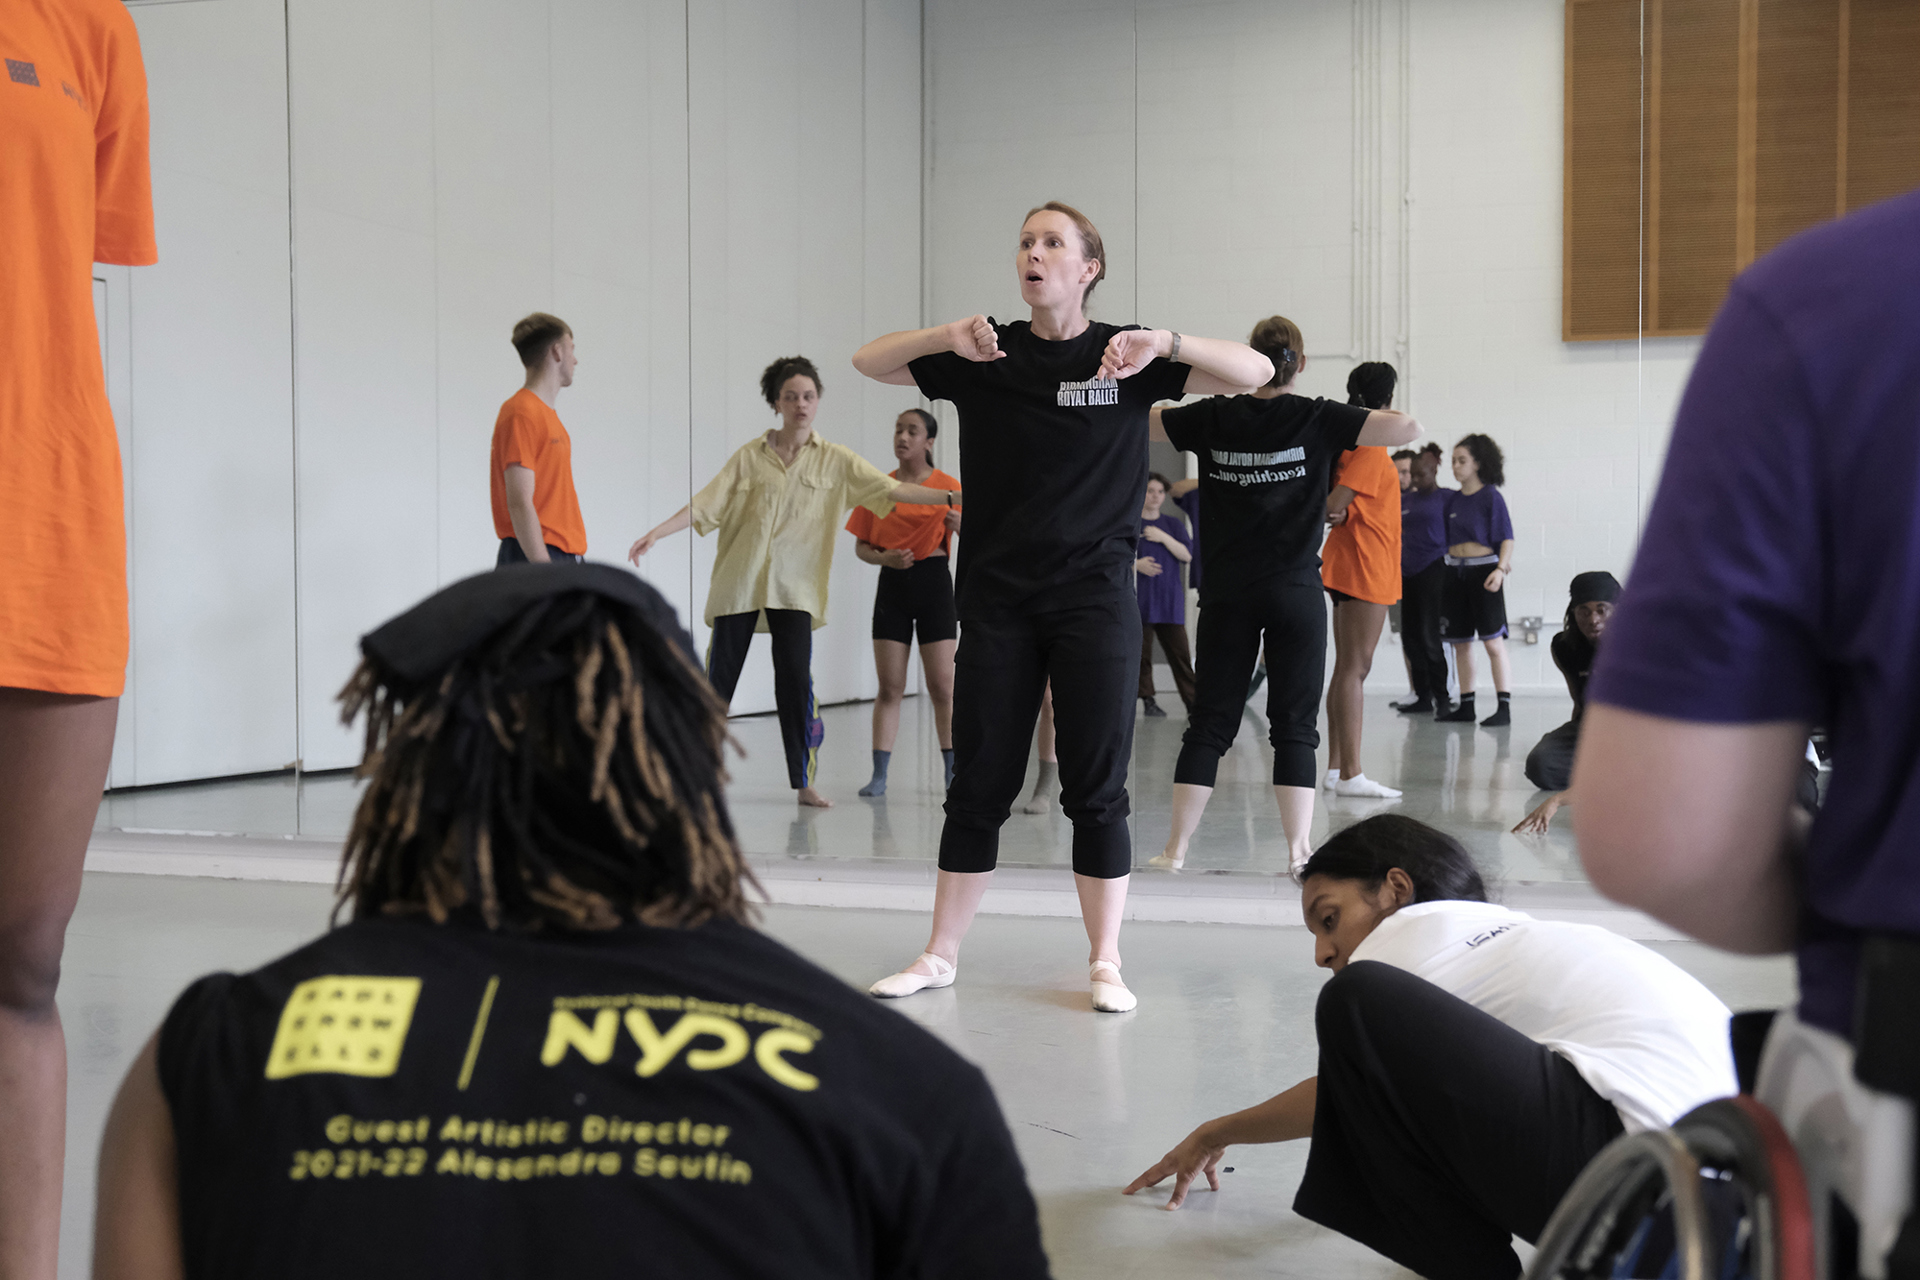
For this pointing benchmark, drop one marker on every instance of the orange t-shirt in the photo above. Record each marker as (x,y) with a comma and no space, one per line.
(528,434)
(920,529)
(1362,555)
(73,191)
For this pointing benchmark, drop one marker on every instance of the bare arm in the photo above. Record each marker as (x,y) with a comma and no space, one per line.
(886,359)
(526,522)
(1387,428)
(1537,822)
(666,528)
(1220,367)
(1167,540)
(1498,577)
(1338,500)
(1692,823)
(1281,1118)
(136,1226)
(898,558)
(1181,488)
(919,495)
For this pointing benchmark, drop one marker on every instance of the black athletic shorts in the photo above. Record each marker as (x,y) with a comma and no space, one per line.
(1339,597)
(917,598)
(1468,611)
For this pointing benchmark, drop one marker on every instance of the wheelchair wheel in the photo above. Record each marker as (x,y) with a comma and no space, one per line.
(1717,1197)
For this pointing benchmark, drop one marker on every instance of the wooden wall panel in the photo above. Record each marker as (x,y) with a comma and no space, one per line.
(1883,100)
(1600,266)
(1796,160)
(1695,154)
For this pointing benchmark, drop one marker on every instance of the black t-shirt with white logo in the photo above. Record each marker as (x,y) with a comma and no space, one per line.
(401,1098)
(1264,469)
(1054,462)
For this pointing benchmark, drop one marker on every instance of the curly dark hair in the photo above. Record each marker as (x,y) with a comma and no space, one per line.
(1486,456)
(1440,867)
(775,376)
(562,773)
(1371,384)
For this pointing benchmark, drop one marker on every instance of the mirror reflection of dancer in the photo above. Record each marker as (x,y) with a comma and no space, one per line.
(1046,576)
(73,113)
(1361,570)
(915,592)
(776,504)
(1479,556)
(1264,462)
(1423,574)
(1046,782)
(1165,545)
(1550,763)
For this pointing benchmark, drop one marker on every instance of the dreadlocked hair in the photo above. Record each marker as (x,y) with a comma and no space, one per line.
(565,774)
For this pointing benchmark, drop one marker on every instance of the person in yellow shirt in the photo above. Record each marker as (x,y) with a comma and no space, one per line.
(777,504)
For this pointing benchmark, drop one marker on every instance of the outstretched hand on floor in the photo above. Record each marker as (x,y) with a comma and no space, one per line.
(1195,1155)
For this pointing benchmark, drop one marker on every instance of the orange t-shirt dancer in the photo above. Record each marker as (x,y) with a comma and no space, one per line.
(528,433)
(1361,557)
(74,191)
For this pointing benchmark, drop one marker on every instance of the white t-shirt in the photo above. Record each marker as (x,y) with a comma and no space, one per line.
(1648,1037)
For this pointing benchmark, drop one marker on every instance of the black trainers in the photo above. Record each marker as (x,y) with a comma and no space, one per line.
(1418,707)
(1497,719)
(1153,708)
(1461,714)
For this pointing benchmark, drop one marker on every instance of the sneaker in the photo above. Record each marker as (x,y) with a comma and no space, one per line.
(1361,785)
(1497,719)
(1418,707)
(1153,708)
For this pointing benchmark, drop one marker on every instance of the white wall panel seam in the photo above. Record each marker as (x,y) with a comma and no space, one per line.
(293,390)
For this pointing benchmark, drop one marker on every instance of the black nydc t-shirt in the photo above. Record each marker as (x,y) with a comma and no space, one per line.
(406,1099)
(1054,462)
(1264,468)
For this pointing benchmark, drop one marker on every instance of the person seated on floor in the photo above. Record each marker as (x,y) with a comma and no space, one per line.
(549,1042)
(1550,763)
(1472,1058)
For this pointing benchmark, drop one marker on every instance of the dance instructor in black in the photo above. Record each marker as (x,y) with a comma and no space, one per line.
(1265,460)
(1053,445)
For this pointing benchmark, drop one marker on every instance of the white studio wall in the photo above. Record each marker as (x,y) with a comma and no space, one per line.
(356,201)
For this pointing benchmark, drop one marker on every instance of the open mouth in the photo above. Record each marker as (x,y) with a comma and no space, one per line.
(1033,277)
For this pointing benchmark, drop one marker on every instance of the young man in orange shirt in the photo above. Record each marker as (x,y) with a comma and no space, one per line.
(535,511)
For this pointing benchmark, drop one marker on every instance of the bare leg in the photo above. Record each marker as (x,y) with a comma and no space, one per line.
(956,898)
(1296,819)
(1047,752)
(1102,904)
(936,664)
(1189,802)
(890,664)
(54,753)
(1356,630)
(1497,660)
(1048,782)
(1463,665)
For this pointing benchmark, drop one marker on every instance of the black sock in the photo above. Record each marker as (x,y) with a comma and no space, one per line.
(1504,698)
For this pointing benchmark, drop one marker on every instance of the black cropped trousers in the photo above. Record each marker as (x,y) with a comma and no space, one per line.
(1291,618)
(1091,653)
(1439,1132)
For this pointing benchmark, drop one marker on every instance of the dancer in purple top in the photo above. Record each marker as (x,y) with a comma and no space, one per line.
(1165,545)
(1473,600)
(1423,573)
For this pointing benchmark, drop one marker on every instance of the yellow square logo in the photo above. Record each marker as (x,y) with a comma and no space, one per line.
(343,1024)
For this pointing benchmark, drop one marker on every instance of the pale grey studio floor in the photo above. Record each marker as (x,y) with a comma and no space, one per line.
(1225,1019)
(1462,778)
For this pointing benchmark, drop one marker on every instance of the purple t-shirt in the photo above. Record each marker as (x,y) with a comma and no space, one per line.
(1480,516)
(1163,598)
(1779,577)
(1189,502)
(1423,529)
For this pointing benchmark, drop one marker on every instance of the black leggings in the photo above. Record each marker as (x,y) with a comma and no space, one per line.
(1293,620)
(1420,630)
(1439,1132)
(1091,653)
(801,731)
(1550,763)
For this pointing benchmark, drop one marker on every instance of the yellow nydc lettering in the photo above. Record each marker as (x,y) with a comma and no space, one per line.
(658,1048)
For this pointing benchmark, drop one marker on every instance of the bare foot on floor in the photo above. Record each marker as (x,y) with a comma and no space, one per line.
(813,799)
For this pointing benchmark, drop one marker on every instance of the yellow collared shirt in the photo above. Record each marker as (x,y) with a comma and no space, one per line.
(778,524)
